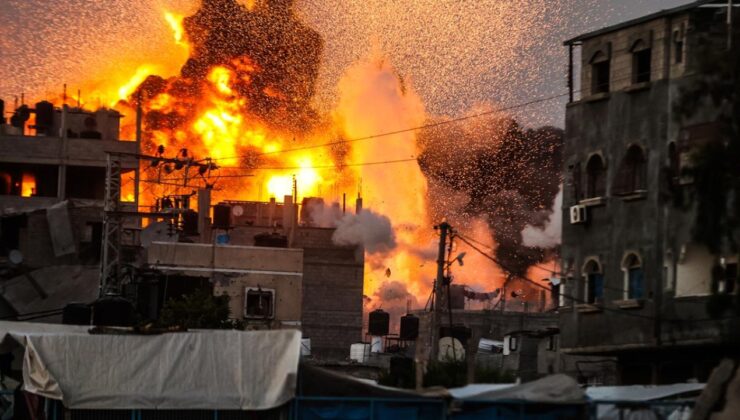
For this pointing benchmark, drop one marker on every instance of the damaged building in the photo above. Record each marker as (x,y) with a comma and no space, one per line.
(639,284)
(52,183)
(278,267)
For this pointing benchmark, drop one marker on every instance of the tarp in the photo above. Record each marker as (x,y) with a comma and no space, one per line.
(554,389)
(60,229)
(641,392)
(229,370)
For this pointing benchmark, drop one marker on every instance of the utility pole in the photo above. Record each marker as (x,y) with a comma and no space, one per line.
(444,229)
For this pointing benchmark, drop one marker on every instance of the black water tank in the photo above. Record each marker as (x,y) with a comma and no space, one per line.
(458,331)
(409,327)
(44,117)
(379,322)
(113,311)
(76,314)
(272,240)
(222,216)
(190,222)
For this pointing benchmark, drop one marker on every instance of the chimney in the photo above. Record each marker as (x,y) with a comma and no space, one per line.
(358,205)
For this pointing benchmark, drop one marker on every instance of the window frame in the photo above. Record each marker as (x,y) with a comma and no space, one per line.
(629,269)
(596,186)
(261,291)
(589,275)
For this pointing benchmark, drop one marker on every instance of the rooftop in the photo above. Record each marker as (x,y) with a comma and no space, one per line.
(647,18)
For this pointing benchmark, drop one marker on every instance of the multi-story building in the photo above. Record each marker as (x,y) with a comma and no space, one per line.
(52,184)
(639,285)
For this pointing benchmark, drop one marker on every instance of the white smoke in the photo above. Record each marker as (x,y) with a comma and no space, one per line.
(369,229)
(549,235)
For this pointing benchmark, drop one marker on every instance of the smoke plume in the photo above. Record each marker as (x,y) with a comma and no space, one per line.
(369,229)
(547,236)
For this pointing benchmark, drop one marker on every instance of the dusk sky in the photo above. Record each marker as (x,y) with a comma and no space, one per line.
(457,55)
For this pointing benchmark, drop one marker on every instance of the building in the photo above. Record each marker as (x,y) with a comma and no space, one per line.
(52,184)
(637,284)
(333,275)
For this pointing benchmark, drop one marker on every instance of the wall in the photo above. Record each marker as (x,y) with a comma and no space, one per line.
(288,296)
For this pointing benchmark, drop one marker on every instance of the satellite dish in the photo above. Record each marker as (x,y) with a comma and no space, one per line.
(450,349)
(15,257)
(237,210)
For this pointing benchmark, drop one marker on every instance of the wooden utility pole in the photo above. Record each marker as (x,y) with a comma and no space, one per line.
(444,229)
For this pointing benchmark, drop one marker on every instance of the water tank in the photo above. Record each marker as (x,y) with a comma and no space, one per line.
(458,331)
(44,117)
(379,322)
(222,216)
(409,327)
(272,240)
(76,314)
(113,311)
(190,223)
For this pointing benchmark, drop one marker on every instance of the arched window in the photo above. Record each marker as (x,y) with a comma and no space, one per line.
(631,176)
(595,177)
(641,62)
(634,277)
(594,277)
(600,69)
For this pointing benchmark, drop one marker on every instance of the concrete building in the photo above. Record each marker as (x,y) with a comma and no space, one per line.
(636,283)
(264,284)
(52,185)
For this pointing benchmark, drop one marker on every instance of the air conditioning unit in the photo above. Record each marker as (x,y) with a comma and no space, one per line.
(578,214)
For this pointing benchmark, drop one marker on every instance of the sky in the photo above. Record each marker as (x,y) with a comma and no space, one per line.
(458,55)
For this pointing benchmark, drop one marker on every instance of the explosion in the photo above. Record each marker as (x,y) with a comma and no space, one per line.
(243,100)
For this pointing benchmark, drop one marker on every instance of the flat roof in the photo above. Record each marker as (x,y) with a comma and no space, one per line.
(643,19)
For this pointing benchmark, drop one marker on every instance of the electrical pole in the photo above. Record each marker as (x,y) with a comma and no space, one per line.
(444,229)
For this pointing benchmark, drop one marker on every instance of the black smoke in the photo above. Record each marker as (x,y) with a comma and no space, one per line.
(508,174)
(274,56)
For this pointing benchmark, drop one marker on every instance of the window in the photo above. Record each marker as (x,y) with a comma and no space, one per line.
(630,178)
(594,281)
(641,62)
(600,69)
(259,303)
(595,177)
(634,277)
(678,46)
(729,277)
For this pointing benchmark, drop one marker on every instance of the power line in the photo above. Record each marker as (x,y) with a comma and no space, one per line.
(404,130)
(575,299)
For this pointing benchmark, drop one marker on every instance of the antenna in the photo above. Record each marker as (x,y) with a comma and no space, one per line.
(79,94)
(64,95)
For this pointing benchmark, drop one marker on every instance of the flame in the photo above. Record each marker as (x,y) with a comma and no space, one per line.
(28,185)
(125,91)
(175,22)
(214,117)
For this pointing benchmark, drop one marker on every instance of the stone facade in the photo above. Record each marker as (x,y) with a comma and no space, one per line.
(635,285)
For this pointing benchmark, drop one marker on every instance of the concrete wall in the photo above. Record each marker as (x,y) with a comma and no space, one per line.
(225,257)
(288,297)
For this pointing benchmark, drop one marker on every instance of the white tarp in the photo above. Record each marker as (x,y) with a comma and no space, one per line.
(234,370)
